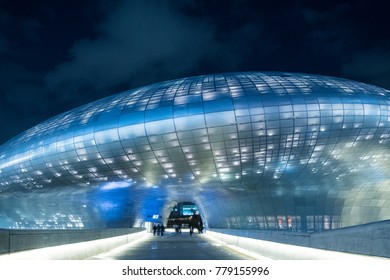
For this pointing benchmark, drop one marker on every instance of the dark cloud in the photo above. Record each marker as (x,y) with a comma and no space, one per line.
(57,55)
(326,31)
(32,41)
(142,42)
(139,42)
(5,20)
(22,99)
(370,66)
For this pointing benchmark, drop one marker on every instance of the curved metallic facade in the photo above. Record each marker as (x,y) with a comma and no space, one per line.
(251,149)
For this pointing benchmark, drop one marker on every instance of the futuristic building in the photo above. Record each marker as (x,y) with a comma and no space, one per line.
(252,150)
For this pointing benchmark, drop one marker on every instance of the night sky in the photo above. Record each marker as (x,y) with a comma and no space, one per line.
(58,55)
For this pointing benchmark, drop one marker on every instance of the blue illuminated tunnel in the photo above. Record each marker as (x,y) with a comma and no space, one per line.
(253,150)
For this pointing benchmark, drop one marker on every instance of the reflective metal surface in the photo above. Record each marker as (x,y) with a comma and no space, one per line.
(252,150)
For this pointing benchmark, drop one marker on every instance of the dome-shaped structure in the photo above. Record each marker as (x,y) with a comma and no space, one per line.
(251,149)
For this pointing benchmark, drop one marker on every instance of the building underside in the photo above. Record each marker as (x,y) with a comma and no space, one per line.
(252,150)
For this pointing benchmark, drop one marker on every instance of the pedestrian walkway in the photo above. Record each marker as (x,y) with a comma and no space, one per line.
(173,246)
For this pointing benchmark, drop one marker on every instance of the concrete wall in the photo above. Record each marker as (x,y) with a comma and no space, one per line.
(21,240)
(4,241)
(370,239)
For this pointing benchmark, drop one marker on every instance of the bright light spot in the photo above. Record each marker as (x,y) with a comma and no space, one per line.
(115,185)
(16,161)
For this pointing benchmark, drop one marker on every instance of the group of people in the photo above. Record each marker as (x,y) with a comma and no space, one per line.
(159,229)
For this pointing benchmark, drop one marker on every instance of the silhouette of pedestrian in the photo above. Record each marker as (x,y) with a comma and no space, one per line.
(162,230)
(191,224)
(158,229)
(154,229)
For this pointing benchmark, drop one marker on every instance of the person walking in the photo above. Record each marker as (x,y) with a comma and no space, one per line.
(154,229)
(158,229)
(162,229)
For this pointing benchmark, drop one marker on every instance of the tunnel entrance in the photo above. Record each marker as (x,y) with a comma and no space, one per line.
(185,215)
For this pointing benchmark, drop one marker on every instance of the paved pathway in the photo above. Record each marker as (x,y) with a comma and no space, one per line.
(172,246)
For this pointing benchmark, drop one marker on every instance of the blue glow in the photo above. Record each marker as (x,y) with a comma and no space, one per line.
(112,201)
